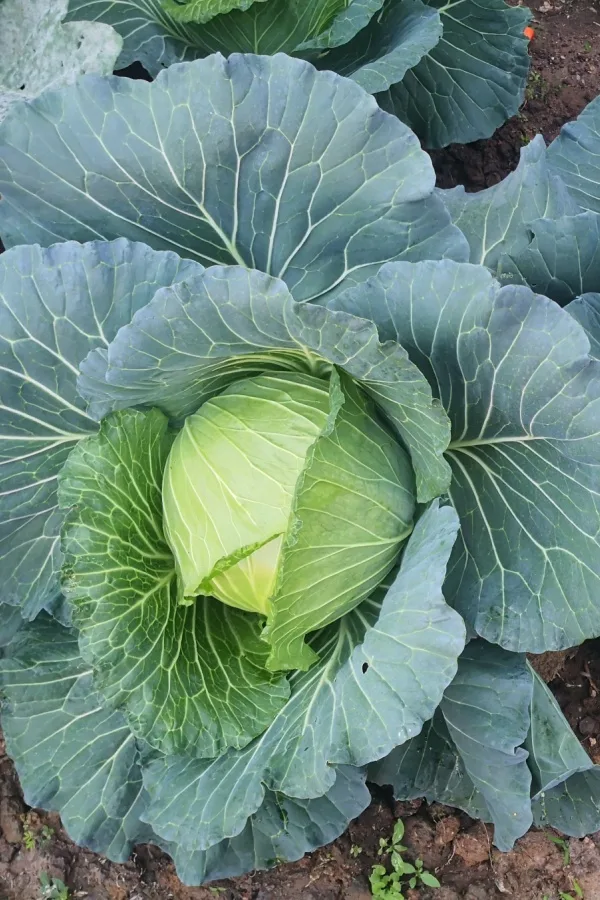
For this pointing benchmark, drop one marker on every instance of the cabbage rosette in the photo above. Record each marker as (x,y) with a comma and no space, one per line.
(270,448)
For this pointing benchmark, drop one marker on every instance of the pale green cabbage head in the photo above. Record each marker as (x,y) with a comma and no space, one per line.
(267,469)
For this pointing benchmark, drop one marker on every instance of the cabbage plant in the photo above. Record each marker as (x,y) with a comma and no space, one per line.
(273,449)
(453,71)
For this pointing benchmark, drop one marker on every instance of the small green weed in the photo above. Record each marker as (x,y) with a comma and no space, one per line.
(28,835)
(537,87)
(53,888)
(391,885)
(45,836)
(587,47)
(217,890)
(564,846)
(577,889)
(355,851)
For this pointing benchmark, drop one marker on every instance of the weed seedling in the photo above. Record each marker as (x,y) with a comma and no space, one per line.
(576,895)
(564,846)
(355,851)
(391,885)
(28,835)
(53,888)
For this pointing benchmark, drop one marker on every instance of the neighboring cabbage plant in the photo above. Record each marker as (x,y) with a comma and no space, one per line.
(271,450)
(39,51)
(452,71)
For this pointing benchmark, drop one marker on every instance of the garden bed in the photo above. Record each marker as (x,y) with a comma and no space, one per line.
(565,76)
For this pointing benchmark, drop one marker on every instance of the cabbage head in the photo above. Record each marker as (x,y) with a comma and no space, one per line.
(271,450)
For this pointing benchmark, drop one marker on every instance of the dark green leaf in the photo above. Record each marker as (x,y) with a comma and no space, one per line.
(56,305)
(472,80)
(191,679)
(271,165)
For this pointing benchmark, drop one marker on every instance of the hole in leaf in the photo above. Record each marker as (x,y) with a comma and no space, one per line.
(365,667)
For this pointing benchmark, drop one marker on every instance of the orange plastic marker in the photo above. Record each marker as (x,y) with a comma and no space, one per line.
(529,33)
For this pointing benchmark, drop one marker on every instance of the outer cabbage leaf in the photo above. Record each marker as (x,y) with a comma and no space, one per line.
(228,323)
(470,755)
(497,220)
(563,259)
(586,309)
(282,829)
(513,371)
(472,80)
(55,306)
(204,10)
(382,671)
(71,753)
(272,165)
(10,622)
(77,757)
(191,679)
(393,42)
(575,156)
(566,784)
(37,52)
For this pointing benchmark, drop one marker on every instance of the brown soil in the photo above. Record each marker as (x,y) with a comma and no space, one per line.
(565,76)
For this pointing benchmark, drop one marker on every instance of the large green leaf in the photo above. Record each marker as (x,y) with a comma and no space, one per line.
(10,622)
(382,671)
(575,156)
(282,829)
(586,309)
(563,259)
(158,35)
(393,42)
(71,753)
(202,11)
(566,783)
(191,679)
(38,52)
(472,80)
(513,372)
(272,165)
(55,306)
(470,755)
(190,342)
(498,220)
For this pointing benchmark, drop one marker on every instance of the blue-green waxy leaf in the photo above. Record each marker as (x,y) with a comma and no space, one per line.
(56,306)
(190,679)
(271,165)
(38,51)
(228,323)
(283,828)
(566,783)
(393,42)
(429,765)
(497,220)
(382,671)
(472,80)
(10,622)
(513,371)
(575,156)
(563,259)
(470,755)
(586,309)
(72,754)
